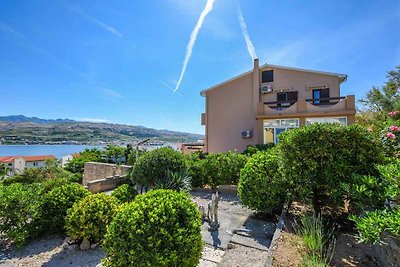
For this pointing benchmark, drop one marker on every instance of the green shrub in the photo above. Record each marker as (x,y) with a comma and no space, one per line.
(373,225)
(55,203)
(76,165)
(125,193)
(252,149)
(159,228)
(215,169)
(152,166)
(178,181)
(261,186)
(319,160)
(19,211)
(89,217)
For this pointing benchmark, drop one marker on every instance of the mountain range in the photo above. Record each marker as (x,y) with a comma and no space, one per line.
(19,129)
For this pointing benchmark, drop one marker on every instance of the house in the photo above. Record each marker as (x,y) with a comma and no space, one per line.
(256,106)
(17,164)
(65,159)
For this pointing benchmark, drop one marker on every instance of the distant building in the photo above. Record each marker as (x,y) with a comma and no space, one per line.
(65,159)
(17,164)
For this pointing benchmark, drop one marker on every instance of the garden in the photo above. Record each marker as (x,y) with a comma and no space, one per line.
(331,184)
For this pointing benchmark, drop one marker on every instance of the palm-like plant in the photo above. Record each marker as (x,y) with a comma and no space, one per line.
(178,181)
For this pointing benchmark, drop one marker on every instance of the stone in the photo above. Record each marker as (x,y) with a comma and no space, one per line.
(73,247)
(95,245)
(230,246)
(85,245)
(202,212)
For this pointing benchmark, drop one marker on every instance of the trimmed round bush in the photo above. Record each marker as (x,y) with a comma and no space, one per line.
(89,218)
(125,193)
(159,228)
(153,166)
(55,204)
(261,186)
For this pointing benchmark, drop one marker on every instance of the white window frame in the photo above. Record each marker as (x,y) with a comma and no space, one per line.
(344,117)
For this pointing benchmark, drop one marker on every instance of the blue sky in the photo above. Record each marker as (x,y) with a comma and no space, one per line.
(120,61)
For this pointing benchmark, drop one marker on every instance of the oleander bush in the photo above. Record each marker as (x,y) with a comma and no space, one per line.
(125,193)
(319,160)
(159,228)
(89,217)
(55,204)
(261,186)
(153,166)
(373,226)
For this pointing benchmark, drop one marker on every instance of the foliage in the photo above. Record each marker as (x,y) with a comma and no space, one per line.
(373,225)
(18,211)
(261,186)
(55,204)
(320,159)
(159,228)
(390,137)
(251,150)
(52,170)
(215,169)
(3,170)
(152,166)
(77,164)
(125,193)
(114,154)
(318,242)
(133,155)
(89,218)
(177,181)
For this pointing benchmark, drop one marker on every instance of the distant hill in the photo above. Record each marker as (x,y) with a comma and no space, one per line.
(25,130)
(22,118)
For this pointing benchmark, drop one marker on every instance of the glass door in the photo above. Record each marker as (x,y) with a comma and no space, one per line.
(277,132)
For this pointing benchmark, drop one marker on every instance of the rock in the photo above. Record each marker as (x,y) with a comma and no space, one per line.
(73,247)
(230,246)
(85,245)
(95,245)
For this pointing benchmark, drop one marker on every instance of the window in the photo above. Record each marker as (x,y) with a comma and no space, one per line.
(341,120)
(287,98)
(267,76)
(272,128)
(35,164)
(320,96)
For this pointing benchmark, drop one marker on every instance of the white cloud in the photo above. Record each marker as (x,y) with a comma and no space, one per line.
(207,9)
(246,36)
(6,28)
(98,22)
(110,93)
(92,120)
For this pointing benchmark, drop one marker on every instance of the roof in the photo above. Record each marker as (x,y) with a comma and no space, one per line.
(342,77)
(38,158)
(8,159)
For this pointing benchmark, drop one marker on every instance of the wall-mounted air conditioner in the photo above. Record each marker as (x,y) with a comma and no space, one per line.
(246,134)
(266,89)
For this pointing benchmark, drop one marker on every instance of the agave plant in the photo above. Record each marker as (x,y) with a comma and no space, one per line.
(178,181)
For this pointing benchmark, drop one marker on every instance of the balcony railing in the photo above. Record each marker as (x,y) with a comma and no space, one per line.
(305,107)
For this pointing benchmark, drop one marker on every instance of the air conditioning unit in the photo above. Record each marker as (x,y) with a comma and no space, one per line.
(246,134)
(266,89)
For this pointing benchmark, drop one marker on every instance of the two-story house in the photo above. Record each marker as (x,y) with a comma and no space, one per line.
(17,164)
(256,106)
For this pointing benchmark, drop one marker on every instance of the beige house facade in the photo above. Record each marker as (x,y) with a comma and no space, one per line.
(256,106)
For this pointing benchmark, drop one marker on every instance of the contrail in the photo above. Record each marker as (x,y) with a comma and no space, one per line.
(193,37)
(250,46)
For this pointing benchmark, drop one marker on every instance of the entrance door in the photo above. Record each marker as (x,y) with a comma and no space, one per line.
(277,132)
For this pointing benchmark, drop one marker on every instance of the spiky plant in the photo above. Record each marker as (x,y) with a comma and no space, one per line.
(178,181)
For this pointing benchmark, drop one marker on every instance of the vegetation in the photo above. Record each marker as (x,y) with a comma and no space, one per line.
(250,150)
(319,160)
(215,169)
(319,243)
(125,193)
(261,186)
(55,204)
(76,165)
(88,219)
(151,167)
(160,228)
(177,181)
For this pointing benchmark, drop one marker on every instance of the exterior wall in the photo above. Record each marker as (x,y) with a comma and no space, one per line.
(19,165)
(238,105)
(300,81)
(97,171)
(229,111)
(31,164)
(65,159)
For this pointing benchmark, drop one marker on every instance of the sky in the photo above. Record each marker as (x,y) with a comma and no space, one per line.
(121,61)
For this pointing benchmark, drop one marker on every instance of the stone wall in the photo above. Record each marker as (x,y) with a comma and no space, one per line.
(389,252)
(99,177)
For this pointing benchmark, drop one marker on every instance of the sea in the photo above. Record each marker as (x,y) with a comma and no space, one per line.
(36,150)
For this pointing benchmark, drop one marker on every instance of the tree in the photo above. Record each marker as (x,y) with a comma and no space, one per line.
(3,170)
(76,164)
(386,98)
(114,154)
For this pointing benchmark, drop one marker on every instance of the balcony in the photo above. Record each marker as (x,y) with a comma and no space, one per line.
(344,105)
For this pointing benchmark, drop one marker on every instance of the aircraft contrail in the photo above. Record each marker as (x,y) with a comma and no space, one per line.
(193,37)
(250,46)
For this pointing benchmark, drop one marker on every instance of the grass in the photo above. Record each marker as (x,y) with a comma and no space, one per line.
(318,241)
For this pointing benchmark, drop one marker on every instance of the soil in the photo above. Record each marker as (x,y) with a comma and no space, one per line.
(241,256)
(288,250)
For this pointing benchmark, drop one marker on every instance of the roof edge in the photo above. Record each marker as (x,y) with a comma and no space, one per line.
(203,92)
